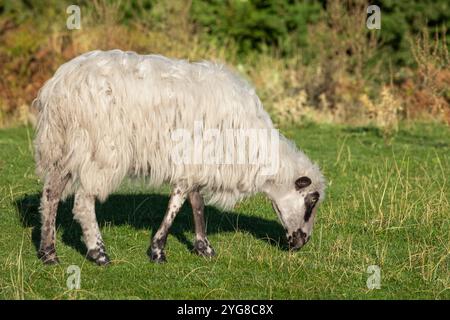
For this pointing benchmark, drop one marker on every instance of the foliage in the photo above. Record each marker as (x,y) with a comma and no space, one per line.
(307,59)
(257,24)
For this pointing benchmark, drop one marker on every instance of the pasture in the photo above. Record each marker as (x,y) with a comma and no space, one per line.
(388,205)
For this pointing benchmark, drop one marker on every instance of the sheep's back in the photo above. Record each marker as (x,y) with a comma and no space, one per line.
(109,114)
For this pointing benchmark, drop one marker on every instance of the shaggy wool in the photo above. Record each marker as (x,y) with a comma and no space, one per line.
(106,115)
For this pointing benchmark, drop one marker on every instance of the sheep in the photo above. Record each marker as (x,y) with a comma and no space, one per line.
(107,115)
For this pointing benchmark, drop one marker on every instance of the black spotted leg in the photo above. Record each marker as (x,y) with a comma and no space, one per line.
(53,188)
(156,250)
(84,213)
(201,245)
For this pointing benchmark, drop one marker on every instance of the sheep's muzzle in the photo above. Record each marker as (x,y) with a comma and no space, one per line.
(297,239)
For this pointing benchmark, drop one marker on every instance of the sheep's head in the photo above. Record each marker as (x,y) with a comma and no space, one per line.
(296,207)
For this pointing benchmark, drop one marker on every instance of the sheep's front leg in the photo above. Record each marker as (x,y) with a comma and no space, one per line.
(84,213)
(201,244)
(156,250)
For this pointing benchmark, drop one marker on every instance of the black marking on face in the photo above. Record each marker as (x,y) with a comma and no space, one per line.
(297,239)
(302,182)
(310,202)
(300,233)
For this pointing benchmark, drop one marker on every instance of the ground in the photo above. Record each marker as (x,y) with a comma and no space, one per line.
(387,205)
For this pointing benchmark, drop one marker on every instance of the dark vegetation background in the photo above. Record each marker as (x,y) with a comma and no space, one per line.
(313,60)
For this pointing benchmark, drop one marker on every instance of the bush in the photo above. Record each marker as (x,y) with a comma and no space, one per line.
(257,24)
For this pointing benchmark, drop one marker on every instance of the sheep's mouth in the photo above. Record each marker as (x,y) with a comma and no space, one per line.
(297,239)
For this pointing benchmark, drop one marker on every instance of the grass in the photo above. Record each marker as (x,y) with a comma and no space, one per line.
(387,205)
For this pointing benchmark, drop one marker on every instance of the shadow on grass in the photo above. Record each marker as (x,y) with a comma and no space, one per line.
(146,212)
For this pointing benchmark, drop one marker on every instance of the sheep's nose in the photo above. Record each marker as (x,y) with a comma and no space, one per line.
(297,240)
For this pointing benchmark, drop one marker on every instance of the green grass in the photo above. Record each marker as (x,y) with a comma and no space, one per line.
(387,205)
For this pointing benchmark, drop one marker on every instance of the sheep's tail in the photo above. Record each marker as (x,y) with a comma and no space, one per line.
(93,153)
(54,146)
(53,121)
(50,134)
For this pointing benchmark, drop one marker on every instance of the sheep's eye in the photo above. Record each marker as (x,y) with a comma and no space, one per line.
(314,197)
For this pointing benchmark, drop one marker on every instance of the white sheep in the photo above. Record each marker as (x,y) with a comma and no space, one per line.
(106,115)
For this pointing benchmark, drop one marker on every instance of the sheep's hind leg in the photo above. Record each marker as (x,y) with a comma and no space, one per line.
(84,213)
(201,245)
(53,188)
(156,250)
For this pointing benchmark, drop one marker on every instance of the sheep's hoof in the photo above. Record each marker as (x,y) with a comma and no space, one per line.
(99,257)
(49,261)
(157,256)
(204,249)
(48,256)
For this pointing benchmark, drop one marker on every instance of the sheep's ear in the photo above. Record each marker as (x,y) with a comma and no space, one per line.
(302,182)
